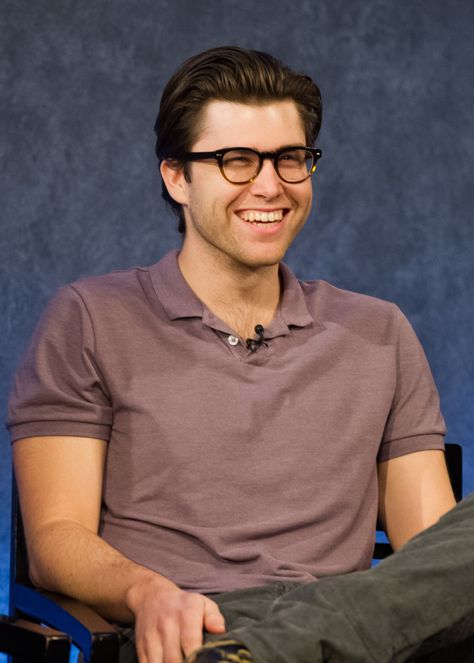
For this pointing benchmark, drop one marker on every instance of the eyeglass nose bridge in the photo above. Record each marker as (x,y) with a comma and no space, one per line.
(273,156)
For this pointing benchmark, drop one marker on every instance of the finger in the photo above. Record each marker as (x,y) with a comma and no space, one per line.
(171,639)
(149,648)
(192,622)
(214,621)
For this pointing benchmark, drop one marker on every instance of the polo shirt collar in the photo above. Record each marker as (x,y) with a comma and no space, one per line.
(175,295)
(179,301)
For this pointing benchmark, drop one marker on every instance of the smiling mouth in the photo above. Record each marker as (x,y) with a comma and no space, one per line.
(259,216)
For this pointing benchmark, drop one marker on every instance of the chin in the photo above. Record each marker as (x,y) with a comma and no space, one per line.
(268,260)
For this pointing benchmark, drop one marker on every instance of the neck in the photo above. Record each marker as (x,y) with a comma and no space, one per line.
(241,296)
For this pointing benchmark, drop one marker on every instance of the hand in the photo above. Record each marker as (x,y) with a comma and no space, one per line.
(169,621)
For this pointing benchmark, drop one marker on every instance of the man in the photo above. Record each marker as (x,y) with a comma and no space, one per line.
(209,431)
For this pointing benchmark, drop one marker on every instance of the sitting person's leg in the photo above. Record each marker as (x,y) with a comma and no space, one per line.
(422,594)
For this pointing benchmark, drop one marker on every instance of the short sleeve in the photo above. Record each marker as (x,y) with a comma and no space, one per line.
(415,422)
(58,388)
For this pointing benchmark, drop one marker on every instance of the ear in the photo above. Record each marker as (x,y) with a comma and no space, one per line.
(173,177)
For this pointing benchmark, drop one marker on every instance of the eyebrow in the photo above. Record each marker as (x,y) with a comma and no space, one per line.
(255,149)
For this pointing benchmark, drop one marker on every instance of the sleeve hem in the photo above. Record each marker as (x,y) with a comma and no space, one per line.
(395,448)
(67,428)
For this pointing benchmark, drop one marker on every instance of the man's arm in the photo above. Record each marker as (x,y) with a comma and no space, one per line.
(414,492)
(60,487)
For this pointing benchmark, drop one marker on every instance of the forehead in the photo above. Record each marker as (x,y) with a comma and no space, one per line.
(263,126)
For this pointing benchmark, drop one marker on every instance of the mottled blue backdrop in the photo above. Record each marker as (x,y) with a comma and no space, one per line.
(392,218)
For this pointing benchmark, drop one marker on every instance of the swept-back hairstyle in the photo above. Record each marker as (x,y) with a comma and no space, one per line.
(228,73)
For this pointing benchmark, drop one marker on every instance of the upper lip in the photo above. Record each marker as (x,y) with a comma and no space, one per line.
(262,209)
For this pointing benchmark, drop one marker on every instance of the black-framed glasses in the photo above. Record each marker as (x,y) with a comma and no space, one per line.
(241,165)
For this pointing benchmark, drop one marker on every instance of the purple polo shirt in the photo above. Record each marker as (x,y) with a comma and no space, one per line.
(225,468)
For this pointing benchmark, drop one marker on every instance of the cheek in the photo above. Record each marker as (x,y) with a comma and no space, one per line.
(207,206)
(305,195)
(209,193)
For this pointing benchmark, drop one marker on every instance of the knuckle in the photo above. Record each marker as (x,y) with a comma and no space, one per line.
(190,642)
(167,622)
(191,599)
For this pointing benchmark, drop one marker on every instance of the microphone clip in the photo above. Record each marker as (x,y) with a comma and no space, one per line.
(252,343)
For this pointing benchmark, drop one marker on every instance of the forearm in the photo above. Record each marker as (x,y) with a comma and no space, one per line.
(66,557)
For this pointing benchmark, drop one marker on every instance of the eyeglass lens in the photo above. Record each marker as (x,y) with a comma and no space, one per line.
(293,165)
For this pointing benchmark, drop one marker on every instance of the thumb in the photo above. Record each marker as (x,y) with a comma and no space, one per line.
(214,621)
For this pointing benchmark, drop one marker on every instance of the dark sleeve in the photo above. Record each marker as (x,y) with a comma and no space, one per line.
(58,388)
(415,422)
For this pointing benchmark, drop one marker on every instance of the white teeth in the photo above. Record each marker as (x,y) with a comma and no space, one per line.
(262,217)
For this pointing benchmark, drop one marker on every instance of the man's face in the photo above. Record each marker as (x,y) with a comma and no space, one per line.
(218,213)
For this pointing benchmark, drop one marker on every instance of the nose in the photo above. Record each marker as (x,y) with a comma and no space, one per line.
(267,183)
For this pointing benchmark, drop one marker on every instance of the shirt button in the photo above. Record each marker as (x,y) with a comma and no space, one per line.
(233,340)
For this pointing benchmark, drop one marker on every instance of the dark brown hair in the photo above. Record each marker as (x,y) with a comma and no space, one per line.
(227,73)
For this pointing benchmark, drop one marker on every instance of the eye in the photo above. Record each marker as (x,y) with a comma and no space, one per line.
(296,157)
(239,159)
